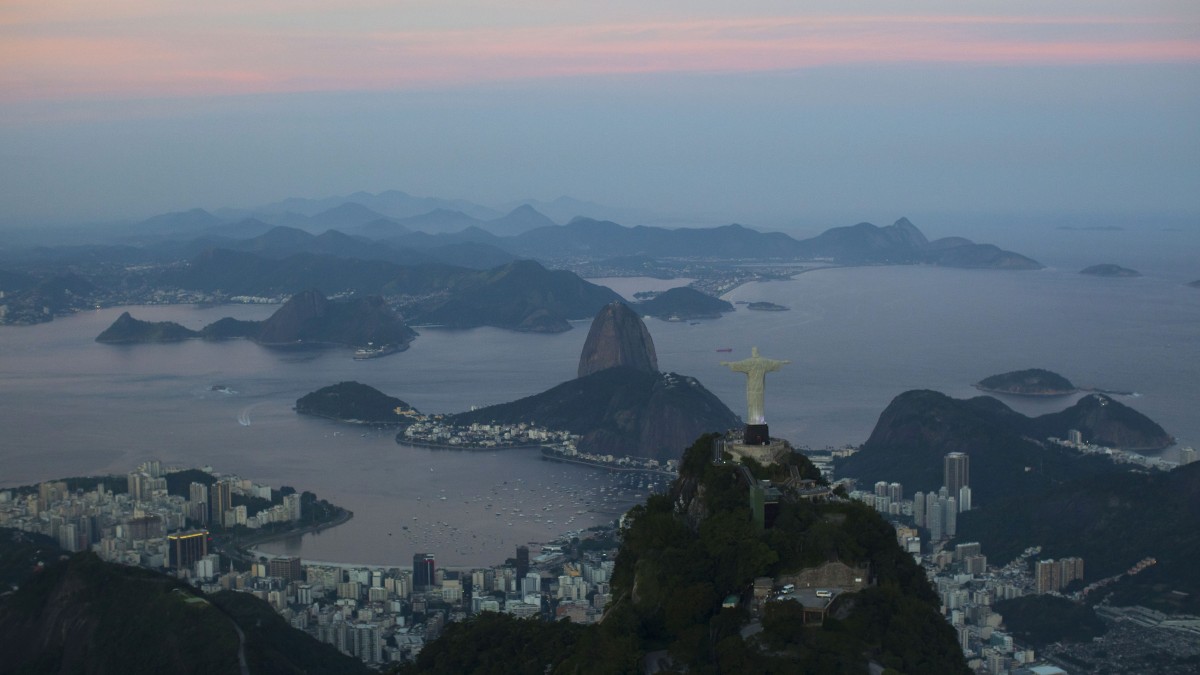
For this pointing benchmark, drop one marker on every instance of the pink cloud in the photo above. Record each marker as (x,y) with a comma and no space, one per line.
(51,63)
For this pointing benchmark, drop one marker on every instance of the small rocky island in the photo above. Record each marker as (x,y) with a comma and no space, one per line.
(683,303)
(356,403)
(1029,382)
(766,307)
(128,330)
(1110,270)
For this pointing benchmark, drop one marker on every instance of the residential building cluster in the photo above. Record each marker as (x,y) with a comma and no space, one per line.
(1055,575)
(132,527)
(433,431)
(377,614)
(938,511)
(967,585)
(1075,442)
(669,468)
(388,614)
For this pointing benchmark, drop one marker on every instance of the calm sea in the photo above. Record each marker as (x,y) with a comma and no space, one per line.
(856,337)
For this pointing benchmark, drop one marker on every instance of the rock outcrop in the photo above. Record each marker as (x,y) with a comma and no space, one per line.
(617,338)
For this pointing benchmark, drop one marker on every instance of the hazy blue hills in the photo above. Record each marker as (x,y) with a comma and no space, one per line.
(1113,521)
(683,303)
(84,615)
(240,273)
(15,282)
(619,411)
(918,428)
(602,239)
(900,243)
(521,219)
(521,296)
(1110,270)
(307,319)
(355,402)
(440,221)
(1028,382)
(179,222)
(310,318)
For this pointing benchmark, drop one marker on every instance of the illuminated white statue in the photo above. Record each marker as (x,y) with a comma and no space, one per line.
(756,369)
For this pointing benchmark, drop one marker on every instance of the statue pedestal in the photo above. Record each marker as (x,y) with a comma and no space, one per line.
(768,454)
(756,434)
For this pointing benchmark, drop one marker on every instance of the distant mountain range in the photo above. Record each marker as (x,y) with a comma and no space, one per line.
(522,296)
(524,231)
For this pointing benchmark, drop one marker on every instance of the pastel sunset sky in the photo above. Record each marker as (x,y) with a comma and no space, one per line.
(780,114)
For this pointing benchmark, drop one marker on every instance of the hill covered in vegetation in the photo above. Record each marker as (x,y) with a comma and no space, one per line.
(683,303)
(1112,521)
(1008,454)
(81,614)
(355,402)
(682,554)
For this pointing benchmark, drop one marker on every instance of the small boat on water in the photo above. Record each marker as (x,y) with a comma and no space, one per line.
(725,349)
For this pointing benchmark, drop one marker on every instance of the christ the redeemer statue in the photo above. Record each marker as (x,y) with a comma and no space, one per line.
(756,369)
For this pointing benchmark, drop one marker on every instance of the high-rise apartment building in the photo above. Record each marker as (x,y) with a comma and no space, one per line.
(522,561)
(964,498)
(956,471)
(285,568)
(220,500)
(186,548)
(934,514)
(1046,576)
(424,571)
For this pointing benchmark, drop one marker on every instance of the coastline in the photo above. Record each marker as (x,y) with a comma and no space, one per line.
(470,448)
(343,517)
(1029,394)
(551,455)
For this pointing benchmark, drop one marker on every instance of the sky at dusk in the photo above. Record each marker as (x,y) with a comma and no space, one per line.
(782,114)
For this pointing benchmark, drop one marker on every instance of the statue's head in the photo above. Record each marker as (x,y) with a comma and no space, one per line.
(754,352)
